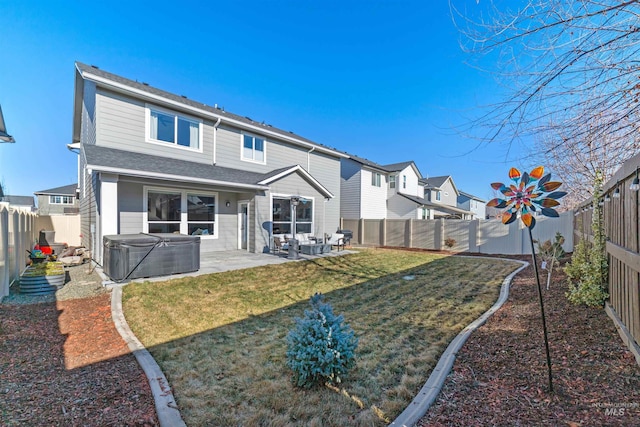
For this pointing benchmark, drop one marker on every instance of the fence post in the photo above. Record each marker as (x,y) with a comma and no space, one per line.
(438,235)
(4,249)
(409,234)
(361,231)
(473,235)
(383,232)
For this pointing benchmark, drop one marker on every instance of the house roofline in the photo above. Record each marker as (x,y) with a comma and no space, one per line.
(123,88)
(169,177)
(307,175)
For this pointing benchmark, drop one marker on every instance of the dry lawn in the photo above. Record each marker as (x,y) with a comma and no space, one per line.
(220,338)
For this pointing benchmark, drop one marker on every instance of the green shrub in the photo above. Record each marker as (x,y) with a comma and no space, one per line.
(320,348)
(588,269)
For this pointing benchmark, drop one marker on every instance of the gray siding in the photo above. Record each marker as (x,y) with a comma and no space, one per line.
(130,203)
(350,189)
(121,125)
(46,208)
(88,121)
(326,215)
(401,208)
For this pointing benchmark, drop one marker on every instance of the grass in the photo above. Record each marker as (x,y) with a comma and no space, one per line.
(220,338)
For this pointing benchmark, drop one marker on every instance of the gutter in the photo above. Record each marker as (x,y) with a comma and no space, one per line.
(168,177)
(309,159)
(215,138)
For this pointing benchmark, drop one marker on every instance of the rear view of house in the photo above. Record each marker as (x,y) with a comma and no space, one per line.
(151,161)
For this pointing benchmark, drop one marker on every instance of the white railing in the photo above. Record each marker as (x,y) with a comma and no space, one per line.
(17,235)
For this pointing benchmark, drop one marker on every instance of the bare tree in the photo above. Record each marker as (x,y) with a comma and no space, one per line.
(571,69)
(579,162)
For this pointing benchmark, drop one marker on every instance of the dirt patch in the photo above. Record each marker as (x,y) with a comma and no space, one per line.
(500,374)
(63,363)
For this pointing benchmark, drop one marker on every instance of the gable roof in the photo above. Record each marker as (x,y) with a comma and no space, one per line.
(436,206)
(397,167)
(471,196)
(152,94)
(111,160)
(65,190)
(394,167)
(19,200)
(277,174)
(435,181)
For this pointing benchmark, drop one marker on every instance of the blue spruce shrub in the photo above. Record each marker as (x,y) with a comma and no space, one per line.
(320,348)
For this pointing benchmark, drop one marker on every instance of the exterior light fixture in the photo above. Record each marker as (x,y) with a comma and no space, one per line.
(635,185)
(607,198)
(227,203)
(4,136)
(616,194)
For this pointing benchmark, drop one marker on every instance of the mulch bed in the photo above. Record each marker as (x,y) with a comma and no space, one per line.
(500,374)
(64,364)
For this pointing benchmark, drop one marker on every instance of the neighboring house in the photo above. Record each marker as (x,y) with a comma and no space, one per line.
(152,161)
(473,204)
(442,194)
(374,191)
(25,203)
(58,201)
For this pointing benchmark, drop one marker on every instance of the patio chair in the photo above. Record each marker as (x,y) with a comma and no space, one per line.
(336,239)
(278,246)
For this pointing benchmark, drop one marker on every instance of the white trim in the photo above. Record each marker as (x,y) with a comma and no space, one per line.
(169,177)
(184,221)
(288,196)
(264,148)
(147,133)
(128,89)
(108,204)
(307,175)
(240,203)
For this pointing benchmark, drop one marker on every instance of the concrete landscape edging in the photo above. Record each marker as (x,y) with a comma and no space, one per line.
(166,408)
(428,393)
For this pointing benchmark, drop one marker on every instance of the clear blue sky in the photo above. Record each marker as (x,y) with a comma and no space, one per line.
(384,80)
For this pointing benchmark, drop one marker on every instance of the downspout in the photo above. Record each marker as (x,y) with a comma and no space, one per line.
(309,158)
(215,138)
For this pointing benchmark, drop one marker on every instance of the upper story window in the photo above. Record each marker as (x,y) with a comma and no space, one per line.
(404,181)
(439,195)
(253,148)
(170,128)
(376,179)
(392,181)
(61,200)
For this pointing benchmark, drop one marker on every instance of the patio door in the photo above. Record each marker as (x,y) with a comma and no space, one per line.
(243,225)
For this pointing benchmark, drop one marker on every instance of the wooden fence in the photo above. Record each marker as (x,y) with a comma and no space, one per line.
(488,237)
(622,228)
(17,234)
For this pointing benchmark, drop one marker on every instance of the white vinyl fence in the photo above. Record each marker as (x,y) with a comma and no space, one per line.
(17,234)
(481,236)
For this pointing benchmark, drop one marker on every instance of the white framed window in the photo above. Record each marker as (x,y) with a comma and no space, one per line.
(438,195)
(392,181)
(61,200)
(281,215)
(376,179)
(166,127)
(188,212)
(404,181)
(253,148)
